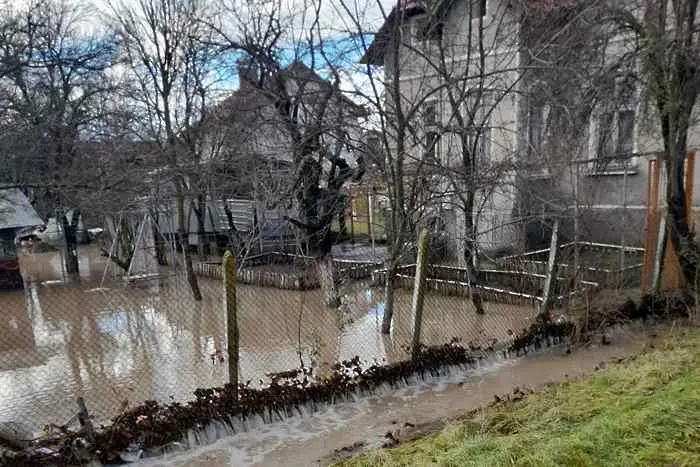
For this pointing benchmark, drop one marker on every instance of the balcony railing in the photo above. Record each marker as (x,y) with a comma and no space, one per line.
(617,163)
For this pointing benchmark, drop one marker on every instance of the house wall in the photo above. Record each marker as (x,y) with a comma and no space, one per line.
(517,213)
(420,83)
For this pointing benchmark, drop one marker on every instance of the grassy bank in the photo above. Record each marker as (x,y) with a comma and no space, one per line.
(645,411)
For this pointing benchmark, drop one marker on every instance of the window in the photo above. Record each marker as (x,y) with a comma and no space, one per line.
(407,33)
(615,142)
(430,114)
(605,135)
(478,9)
(418,30)
(625,132)
(477,122)
(431,144)
(478,140)
(535,129)
(615,139)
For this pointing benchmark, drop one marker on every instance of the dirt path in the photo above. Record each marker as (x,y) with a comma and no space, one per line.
(346,429)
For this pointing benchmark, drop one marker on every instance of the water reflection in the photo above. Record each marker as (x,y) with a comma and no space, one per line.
(120,345)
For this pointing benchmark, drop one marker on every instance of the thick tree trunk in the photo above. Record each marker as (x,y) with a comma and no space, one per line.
(184,244)
(329,281)
(470,260)
(125,243)
(70,235)
(677,221)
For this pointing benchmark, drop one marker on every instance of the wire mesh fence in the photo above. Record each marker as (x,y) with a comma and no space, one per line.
(118,343)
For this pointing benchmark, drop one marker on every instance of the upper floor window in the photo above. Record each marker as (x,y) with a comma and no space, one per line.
(432,139)
(616,127)
(536,111)
(430,114)
(431,122)
(477,123)
(420,32)
(477,9)
(536,124)
(478,140)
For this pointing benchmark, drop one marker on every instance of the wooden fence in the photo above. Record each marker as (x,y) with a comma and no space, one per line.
(535,262)
(513,287)
(303,277)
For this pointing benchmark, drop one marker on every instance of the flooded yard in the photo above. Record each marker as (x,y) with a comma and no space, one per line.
(120,344)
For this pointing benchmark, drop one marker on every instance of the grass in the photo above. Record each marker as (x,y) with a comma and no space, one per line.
(643,412)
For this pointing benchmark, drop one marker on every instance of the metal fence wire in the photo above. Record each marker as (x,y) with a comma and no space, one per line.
(118,335)
(118,340)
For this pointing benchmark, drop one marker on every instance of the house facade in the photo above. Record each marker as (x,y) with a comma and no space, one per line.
(536,107)
(245,173)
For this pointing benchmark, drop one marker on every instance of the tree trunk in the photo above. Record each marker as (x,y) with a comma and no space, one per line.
(202,241)
(470,260)
(184,244)
(159,242)
(70,235)
(234,236)
(389,298)
(678,223)
(125,243)
(329,280)
(342,225)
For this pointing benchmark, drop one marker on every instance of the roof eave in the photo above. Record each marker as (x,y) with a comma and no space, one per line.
(374,55)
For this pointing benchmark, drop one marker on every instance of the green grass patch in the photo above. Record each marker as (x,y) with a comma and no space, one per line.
(642,412)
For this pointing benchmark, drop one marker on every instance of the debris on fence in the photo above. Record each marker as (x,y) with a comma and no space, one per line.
(546,331)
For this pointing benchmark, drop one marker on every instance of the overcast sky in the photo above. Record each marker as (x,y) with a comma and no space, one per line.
(335,22)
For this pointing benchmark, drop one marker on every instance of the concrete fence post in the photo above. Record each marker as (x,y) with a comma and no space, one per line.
(551,276)
(419,292)
(229,273)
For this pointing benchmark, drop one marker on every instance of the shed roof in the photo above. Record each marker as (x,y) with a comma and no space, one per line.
(16,211)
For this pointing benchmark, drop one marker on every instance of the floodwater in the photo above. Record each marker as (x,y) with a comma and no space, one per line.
(317,438)
(119,345)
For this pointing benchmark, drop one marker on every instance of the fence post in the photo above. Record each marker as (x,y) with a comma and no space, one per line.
(419,291)
(621,276)
(550,278)
(229,272)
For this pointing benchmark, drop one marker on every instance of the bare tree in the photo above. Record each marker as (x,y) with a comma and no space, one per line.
(397,111)
(665,34)
(311,114)
(53,80)
(167,47)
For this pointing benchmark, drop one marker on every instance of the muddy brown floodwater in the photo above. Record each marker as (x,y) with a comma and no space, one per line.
(119,345)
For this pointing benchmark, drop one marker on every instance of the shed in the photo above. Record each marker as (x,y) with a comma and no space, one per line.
(16,213)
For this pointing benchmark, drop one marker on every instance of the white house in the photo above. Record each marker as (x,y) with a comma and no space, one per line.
(546,97)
